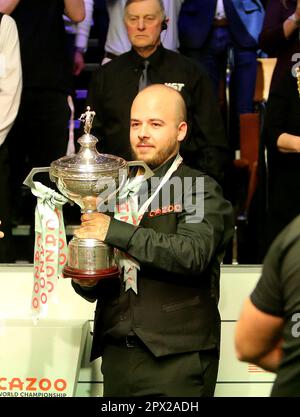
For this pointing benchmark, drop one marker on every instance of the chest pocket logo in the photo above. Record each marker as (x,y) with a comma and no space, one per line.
(172,208)
(177,86)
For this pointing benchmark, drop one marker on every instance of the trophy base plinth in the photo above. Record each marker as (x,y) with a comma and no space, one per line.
(98,274)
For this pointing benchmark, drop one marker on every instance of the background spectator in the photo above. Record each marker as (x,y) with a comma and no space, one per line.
(223,35)
(117,41)
(116,83)
(78,36)
(280,36)
(282,139)
(10,94)
(39,134)
(267,333)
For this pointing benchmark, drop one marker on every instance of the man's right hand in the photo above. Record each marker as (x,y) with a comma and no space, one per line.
(93,226)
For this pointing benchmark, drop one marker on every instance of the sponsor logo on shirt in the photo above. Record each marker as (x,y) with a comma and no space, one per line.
(172,208)
(176,86)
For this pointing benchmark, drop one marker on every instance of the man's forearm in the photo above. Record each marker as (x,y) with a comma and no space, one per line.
(83,28)
(8,6)
(271,360)
(288,143)
(291,24)
(75,10)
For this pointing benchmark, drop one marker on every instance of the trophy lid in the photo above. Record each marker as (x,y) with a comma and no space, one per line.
(88,160)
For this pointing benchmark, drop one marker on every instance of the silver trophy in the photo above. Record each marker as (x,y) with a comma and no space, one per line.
(89,179)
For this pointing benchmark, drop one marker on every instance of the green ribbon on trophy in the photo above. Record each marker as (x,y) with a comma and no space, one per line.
(50,249)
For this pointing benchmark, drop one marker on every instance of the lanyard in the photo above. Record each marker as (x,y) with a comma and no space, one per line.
(165,179)
(134,216)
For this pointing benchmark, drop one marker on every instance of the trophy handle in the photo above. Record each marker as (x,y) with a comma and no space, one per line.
(148,174)
(29,179)
(143,164)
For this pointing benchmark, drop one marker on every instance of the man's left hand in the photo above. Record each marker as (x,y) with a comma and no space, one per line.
(93,226)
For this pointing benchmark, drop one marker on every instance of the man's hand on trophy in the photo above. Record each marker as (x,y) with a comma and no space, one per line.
(93,226)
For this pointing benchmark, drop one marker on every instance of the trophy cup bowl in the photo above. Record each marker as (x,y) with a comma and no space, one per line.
(89,178)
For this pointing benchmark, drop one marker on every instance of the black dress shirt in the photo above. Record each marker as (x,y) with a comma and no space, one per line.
(175,309)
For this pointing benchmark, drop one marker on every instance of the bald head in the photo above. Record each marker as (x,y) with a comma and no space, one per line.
(157,124)
(162,96)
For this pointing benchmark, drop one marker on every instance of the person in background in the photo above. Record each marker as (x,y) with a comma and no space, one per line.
(100,28)
(267,332)
(115,84)
(278,170)
(10,94)
(78,36)
(117,41)
(222,35)
(280,36)
(282,137)
(158,329)
(40,132)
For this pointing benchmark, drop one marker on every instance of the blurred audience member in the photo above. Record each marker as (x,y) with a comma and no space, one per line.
(282,138)
(223,35)
(100,28)
(10,93)
(267,333)
(39,134)
(280,35)
(117,41)
(116,83)
(78,36)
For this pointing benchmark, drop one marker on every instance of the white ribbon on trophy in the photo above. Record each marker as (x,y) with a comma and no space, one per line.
(50,249)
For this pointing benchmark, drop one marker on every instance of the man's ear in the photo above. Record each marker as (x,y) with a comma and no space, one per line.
(164,24)
(182,131)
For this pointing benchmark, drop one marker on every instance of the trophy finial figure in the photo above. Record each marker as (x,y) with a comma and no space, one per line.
(297,69)
(87,118)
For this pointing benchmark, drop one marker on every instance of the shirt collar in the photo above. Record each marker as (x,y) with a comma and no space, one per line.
(157,172)
(153,59)
(162,169)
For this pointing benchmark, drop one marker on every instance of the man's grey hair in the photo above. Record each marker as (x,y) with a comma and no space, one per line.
(160,2)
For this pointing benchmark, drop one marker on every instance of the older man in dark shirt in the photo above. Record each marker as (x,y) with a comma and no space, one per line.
(115,85)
